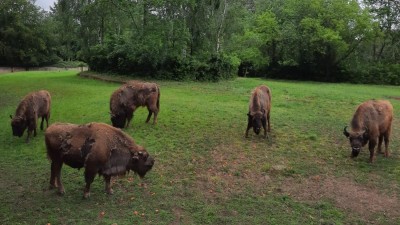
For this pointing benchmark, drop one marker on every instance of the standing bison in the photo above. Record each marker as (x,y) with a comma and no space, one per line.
(100,148)
(126,99)
(259,110)
(33,106)
(371,124)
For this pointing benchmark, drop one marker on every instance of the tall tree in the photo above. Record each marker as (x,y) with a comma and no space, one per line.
(24,40)
(386,43)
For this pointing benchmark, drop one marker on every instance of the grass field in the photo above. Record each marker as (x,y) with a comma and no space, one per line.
(206,171)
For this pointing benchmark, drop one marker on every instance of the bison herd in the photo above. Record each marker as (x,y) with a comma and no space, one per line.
(108,151)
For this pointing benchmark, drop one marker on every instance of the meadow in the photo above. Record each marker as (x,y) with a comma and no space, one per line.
(206,171)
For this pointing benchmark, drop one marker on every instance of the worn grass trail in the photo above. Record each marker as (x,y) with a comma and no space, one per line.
(206,172)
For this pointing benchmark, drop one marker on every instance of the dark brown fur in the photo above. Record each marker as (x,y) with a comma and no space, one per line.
(33,106)
(100,148)
(126,99)
(259,110)
(371,123)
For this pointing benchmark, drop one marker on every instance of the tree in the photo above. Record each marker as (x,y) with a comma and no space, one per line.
(24,39)
(385,46)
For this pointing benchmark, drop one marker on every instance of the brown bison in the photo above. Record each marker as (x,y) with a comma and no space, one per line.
(100,148)
(33,106)
(126,99)
(259,110)
(371,124)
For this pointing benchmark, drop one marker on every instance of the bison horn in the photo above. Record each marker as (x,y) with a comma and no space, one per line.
(345,132)
(366,129)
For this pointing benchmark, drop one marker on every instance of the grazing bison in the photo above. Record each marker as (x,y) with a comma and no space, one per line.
(371,124)
(33,106)
(100,148)
(259,110)
(126,99)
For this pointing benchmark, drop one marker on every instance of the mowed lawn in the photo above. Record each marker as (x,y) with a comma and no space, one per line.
(206,171)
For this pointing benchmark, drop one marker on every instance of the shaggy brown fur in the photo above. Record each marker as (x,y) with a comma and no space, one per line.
(32,106)
(100,148)
(371,123)
(259,110)
(125,100)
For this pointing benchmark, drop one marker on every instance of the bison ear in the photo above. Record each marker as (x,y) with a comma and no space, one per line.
(345,132)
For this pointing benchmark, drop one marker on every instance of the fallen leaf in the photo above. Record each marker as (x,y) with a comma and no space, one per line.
(102,213)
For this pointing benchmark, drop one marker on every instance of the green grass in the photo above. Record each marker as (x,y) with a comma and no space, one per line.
(206,172)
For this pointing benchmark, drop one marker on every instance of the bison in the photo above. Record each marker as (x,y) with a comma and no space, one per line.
(99,148)
(259,110)
(33,106)
(131,95)
(371,124)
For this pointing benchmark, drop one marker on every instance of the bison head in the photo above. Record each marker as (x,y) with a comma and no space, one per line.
(357,140)
(18,125)
(118,119)
(257,120)
(142,162)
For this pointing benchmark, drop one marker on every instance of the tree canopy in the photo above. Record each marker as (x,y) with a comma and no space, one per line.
(325,40)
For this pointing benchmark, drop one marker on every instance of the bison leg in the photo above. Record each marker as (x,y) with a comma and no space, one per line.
(148,116)
(33,125)
(155,117)
(47,119)
(29,135)
(108,188)
(248,127)
(129,116)
(89,177)
(371,147)
(264,124)
(386,136)
(269,124)
(55,178)
(41,123)
(380,143)
(152,109)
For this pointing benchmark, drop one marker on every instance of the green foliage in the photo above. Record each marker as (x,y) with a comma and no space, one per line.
(69,64)
(120,58)
(24,38)
(190,40)
(378,73)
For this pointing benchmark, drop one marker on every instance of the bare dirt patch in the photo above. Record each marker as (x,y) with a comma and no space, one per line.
(228,171)
(395,97)
(345,194)
(112,79)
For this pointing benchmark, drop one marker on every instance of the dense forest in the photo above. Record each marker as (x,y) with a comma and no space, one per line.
(322,40)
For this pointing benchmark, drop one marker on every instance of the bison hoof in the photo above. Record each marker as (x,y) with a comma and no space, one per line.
(61,193)
(86,195)
(110,192)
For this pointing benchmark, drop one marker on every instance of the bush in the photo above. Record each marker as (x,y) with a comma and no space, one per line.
(378,73)
(121,60)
